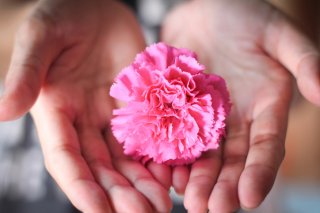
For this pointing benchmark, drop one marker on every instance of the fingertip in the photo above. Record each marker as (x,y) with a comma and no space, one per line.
(10,111)
(223,198)
(180,178)
(197,194)
(133,200)
(308,77)
(156,194)
(141,179)
(87,196)
(17,100)
(254,186)
(309,86)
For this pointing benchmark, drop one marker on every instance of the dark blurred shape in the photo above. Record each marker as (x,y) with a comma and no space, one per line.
(131,3)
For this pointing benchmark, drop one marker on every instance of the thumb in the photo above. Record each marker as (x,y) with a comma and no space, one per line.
(297,53)
(34,50)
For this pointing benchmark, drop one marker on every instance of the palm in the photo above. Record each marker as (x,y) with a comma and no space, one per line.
(238,48)
(88,45)
(69,51)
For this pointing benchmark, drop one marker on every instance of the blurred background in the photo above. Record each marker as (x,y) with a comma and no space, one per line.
(26,187)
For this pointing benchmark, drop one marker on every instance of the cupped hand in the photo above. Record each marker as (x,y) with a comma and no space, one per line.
(65,57)
(257,50)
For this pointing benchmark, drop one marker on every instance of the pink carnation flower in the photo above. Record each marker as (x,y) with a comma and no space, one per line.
(174,110)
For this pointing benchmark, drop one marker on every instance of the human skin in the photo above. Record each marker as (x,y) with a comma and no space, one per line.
(258,51)
(302,152)
(65,57)
(11,16)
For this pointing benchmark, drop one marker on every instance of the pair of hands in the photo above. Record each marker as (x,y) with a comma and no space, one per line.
(66,55)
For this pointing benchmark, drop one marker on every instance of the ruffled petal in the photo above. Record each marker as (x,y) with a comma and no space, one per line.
(174,110)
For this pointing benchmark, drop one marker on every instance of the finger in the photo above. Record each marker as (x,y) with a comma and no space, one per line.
(297,53)
(143,181)
(224,196)
(162,173)
(124,198)
(117,187)
(140,177)
(34,50)
(203,176)
(180,178)
(63,159)
(265,155)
